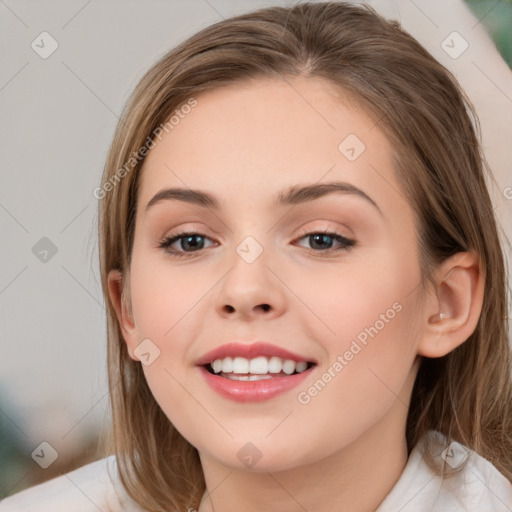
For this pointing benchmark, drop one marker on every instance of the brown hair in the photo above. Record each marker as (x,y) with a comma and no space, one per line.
(433,129)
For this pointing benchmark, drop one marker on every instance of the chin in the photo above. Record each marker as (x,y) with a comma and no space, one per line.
(262,457)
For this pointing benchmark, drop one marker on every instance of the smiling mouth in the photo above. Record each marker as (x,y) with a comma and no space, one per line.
(257,379)
(259,368)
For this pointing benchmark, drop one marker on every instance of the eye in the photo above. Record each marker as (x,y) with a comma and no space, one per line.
(189,240)
(319,241)
(192,241)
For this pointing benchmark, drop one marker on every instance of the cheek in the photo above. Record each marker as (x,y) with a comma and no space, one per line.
(367,311)
(362,380)
(165,298)
(166,304)
(360,293)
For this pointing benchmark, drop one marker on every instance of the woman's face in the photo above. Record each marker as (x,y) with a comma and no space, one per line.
(261,270)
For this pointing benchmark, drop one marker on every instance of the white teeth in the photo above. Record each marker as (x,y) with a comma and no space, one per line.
(227,364)
(259,366)
(300,367)
(240,365)
(289,366)
(275,365)
(248,377)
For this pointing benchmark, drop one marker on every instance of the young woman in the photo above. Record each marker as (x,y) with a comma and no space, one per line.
(306,291)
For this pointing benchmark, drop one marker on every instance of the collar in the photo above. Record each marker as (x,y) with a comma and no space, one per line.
(476,486)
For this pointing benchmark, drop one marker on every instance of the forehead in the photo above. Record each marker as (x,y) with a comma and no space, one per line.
(250,140)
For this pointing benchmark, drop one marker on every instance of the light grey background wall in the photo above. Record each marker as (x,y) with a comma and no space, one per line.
(58,113)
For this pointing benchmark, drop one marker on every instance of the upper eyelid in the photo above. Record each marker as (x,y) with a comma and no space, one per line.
(192,231)
(325,225)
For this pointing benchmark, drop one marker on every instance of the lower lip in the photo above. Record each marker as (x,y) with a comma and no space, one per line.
(255,390)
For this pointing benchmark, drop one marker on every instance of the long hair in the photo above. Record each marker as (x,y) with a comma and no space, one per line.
(438,160)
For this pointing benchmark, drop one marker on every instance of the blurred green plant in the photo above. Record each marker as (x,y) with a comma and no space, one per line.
(496,15)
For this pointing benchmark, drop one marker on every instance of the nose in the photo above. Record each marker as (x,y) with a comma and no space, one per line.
(251,290)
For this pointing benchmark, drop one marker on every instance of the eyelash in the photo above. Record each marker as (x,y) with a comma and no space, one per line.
(348,244)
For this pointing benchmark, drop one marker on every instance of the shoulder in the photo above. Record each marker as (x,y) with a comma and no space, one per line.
(484,489)
(477,487)
(89,488)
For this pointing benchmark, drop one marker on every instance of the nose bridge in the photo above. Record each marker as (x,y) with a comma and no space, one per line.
(250,249)
(250,286)
(249,264)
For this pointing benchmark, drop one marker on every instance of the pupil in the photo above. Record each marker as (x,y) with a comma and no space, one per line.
(187,240)
(321,237)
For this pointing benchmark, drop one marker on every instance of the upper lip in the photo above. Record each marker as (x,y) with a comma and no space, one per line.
(249,351)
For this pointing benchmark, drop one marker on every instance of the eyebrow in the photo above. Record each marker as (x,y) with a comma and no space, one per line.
(294,195)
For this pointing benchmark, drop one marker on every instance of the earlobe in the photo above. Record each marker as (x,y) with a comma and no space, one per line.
(123,311)
(452,313)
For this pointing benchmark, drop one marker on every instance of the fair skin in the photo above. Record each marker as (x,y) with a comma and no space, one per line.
(346,448)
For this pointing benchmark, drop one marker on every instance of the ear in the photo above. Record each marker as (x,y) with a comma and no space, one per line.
(123,311)
(452,312)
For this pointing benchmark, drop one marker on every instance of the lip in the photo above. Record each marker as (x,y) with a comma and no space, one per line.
(253,391)
(250,351)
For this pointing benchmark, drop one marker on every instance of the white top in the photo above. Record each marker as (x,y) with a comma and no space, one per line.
(479,488)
